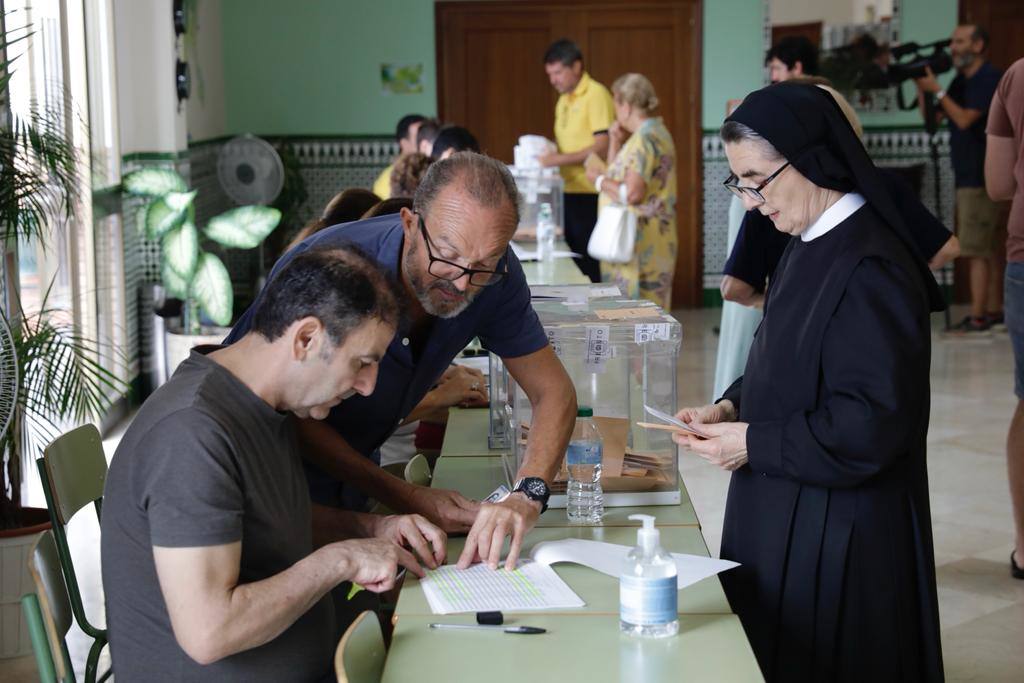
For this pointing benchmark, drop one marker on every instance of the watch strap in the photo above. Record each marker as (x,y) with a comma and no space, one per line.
(523,486)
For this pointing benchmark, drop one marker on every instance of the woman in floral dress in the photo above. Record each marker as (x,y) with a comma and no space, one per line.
(642,167)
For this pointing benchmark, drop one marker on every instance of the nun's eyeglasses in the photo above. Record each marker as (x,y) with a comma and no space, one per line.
(732,183)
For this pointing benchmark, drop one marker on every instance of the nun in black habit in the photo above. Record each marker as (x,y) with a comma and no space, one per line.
(828,509)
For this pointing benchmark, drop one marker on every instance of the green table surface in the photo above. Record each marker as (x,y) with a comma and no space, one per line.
(561,271)
(584,649)
(476,477)
(599,591)
(466,434)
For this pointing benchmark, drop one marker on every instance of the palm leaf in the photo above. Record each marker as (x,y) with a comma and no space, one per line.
(39,178)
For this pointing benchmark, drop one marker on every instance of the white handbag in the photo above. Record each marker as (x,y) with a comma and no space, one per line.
(614,236)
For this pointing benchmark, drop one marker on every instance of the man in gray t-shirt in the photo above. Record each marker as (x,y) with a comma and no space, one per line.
(208,533)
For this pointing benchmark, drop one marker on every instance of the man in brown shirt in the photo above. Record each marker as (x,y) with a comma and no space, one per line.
(1004,179)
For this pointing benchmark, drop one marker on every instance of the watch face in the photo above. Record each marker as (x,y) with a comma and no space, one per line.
(536,487)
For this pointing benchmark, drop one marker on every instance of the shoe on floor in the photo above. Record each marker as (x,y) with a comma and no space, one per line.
(1016,571)
(971,326)
(996,322)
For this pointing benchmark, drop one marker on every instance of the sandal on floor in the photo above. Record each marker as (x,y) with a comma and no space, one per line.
(1016,571)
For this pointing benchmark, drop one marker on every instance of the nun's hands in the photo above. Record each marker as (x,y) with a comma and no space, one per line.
(723,411)
(727,447)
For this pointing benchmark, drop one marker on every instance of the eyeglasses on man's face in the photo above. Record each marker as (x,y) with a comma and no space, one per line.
(447,270)
(732,183)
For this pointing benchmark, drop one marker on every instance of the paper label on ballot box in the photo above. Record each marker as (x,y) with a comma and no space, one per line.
(645,332)
(598,349)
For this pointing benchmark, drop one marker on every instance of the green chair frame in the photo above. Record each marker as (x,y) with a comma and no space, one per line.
(48,613)
(73,471)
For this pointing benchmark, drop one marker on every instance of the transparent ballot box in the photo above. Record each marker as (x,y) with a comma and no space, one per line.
(538,186)
(621,355)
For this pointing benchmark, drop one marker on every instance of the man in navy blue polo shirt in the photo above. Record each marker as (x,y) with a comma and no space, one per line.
(450,254)
(980,222)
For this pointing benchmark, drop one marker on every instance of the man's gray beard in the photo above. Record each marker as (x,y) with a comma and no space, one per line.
(429,307)
(963,62)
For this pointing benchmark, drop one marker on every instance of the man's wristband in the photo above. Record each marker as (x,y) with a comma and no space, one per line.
(939,95)
(598,181)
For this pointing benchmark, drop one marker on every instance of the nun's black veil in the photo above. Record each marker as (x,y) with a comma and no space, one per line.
(804,123)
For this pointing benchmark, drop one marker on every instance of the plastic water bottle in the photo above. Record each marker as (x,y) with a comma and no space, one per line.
(545,232)
(583,459)
(648,592)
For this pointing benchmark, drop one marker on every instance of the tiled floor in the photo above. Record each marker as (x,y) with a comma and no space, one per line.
(981,607)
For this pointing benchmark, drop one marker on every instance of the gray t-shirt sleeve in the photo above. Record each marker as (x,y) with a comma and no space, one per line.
(188,483)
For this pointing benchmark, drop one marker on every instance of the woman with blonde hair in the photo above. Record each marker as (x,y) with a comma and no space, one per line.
(641,173)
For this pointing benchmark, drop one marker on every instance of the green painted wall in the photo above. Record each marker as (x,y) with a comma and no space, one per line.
(313,67)
(733,63)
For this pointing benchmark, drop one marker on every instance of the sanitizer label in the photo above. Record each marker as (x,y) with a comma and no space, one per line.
(584,453)
(648,602)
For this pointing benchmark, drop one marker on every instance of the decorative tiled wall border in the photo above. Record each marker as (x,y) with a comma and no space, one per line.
(329,165)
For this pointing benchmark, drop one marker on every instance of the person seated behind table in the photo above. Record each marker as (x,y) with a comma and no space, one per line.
(759,246)
(452,139)
(826,431)
(407,174)
(348,205)
(215,564)
(405,135)
(452,257)
(426,135)
(388,206)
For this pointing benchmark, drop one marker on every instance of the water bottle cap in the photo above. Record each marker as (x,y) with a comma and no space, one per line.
(584,411)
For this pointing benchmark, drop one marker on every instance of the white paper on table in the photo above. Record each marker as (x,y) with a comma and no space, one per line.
(608,558)
(524,254)
(574,293)
(531,586)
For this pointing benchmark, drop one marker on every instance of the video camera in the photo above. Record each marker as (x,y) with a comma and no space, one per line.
(939,61)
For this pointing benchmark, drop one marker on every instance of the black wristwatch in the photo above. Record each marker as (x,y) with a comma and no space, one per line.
(536,489)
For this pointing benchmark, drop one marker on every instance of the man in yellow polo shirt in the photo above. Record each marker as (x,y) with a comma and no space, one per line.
(405,134)
(582,116)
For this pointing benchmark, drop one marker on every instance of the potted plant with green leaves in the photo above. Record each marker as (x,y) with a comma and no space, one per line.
(188,272)
(52,376)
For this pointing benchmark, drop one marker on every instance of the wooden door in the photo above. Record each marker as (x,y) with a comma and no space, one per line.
(1004,21)
(491,79)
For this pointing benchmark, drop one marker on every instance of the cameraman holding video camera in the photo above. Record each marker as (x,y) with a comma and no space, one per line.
(980,221)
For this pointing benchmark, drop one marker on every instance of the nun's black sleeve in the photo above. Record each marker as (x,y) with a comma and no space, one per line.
(869,408)
(733,393)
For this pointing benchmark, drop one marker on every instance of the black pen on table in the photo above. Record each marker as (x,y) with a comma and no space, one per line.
(524,630)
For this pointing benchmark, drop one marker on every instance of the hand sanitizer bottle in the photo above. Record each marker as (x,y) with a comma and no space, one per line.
(648,594)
